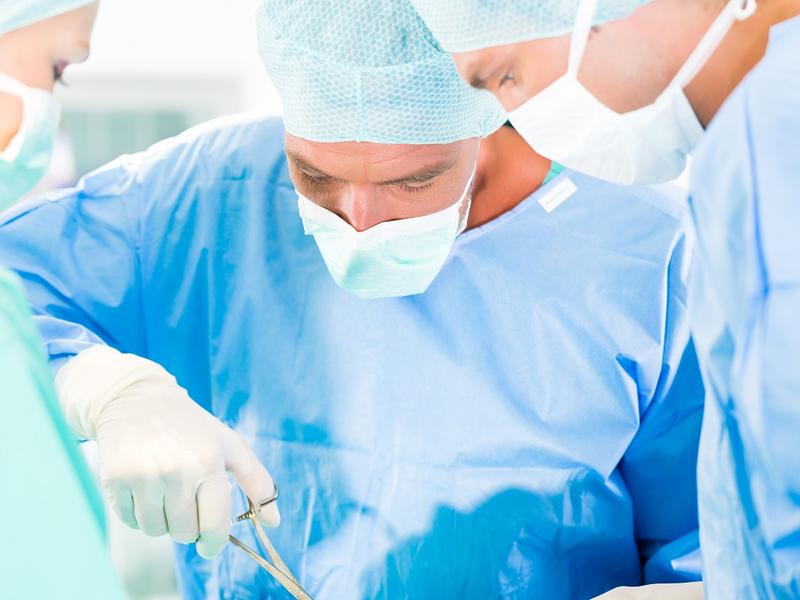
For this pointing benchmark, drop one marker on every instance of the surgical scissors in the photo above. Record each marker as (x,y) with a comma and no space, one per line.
(277,568)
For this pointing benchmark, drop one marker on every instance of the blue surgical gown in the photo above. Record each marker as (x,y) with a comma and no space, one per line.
(528,427)
(745,311)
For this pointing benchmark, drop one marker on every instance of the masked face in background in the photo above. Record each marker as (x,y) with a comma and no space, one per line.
(33,57)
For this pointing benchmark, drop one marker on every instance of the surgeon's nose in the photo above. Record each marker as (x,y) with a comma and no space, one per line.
(361,206)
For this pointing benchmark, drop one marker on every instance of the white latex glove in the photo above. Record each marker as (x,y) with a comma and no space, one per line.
(660,591)
(163,459)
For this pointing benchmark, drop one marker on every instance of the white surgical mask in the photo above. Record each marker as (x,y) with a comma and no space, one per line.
(566,123)
(394,258)
(27,156)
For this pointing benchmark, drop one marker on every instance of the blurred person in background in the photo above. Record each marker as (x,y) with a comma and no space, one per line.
(40,40)
(47,494)
(41,461)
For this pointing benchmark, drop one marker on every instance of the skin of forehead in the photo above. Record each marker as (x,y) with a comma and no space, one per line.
(369,162)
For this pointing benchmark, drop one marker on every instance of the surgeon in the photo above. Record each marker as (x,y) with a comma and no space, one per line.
(48,499)
(734,101)
(619,78)
(468,375)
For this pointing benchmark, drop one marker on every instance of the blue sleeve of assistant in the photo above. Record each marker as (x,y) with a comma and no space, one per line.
(766,367)
(76,255)
(660,465)
(768,390)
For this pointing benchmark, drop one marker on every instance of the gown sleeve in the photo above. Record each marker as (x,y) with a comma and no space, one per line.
(76,254)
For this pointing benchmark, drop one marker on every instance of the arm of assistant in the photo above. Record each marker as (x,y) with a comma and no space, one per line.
(163,459)
(765,378)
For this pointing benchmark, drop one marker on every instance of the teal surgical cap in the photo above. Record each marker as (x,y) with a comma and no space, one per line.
(368,71)
(465,25)
(15,14)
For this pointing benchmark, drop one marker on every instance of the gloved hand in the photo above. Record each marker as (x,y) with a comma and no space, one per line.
(660,591)
(163,459)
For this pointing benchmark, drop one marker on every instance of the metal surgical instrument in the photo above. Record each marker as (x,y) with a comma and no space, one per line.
(277,568)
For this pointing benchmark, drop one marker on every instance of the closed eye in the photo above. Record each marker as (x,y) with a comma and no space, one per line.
(58,73)
(416,189)
(507,78)
(316,182)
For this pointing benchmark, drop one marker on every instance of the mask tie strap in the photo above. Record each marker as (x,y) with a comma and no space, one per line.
(580,35)
(735,10)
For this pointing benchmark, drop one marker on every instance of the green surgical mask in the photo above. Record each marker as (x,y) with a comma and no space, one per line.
(391,259)
(25,160)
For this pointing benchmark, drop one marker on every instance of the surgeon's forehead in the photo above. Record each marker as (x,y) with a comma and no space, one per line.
(378,162)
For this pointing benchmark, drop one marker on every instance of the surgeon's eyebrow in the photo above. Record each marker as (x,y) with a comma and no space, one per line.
(423,175)
(308,169)
(477,81)
(480,74)
(488,77)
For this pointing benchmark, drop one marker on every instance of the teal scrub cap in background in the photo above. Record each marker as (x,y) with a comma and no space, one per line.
(465,25)
(370,71)
(15,14)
